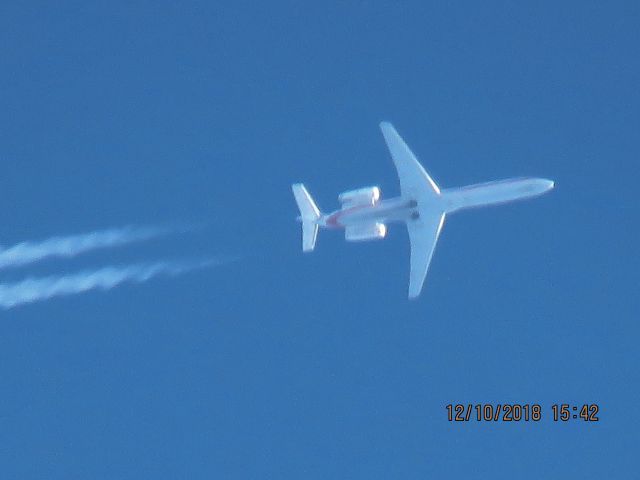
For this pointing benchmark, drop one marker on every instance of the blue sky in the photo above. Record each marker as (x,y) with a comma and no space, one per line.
(285,365)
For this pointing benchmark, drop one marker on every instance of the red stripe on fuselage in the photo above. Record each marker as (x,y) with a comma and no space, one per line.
(333,220)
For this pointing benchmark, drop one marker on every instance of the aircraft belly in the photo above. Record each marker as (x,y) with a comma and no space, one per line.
(493,193)
(373,215)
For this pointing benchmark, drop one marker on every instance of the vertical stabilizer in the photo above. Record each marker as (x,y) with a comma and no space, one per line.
(309,215)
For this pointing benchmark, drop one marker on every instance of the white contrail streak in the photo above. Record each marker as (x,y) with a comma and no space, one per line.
(41,288)
(72,245)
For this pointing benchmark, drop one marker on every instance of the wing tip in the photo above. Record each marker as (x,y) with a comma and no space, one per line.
(414,291)
(386,125)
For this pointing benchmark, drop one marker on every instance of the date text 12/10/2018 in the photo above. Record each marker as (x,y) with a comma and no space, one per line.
(516,412)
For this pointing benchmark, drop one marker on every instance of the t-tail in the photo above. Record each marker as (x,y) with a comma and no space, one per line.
(309,216)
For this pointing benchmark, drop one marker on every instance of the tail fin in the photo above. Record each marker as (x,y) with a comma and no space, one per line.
(309,215)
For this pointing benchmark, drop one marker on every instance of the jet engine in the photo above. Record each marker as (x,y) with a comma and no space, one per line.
(362,196)
(360,233)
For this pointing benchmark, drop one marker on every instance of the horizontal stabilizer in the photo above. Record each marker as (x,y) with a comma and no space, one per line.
(306,205)
(309,235)
(309,215)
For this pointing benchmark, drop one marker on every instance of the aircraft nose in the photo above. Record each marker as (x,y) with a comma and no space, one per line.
(537,186)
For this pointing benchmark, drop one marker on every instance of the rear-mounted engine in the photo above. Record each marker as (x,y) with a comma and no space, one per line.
(362,196)
(362,233)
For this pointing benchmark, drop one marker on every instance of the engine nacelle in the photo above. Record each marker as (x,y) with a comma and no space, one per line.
(362,233)
(362,196)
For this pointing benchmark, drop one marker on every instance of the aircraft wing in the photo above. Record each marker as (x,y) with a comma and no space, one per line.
(423,235)
(415,182)
(416,185)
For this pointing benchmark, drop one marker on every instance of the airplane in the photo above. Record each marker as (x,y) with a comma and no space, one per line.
(422,206)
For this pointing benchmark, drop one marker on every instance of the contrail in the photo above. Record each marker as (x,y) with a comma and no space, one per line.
(72,245)
(41,288)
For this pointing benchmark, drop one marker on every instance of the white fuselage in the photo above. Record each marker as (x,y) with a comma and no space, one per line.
(400,209)
(422,206)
